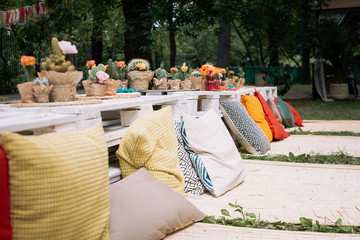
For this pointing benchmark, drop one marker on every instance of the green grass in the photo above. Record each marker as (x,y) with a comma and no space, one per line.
(319,110)
(324,133)
(248,219)
(335,158)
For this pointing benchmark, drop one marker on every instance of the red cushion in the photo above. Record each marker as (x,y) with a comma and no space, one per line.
(277,130)
(298,120)
(5,219)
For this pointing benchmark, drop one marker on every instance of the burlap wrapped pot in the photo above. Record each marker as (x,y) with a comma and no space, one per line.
(94,89)
(64,84)
(186,84)
(196,83)
(26,92)
(41,93)
(161,84)
(139,80)
(174,84)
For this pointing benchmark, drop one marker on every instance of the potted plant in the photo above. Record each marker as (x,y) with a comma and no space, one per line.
(196,79)
(336,45)
(139,74)
(95,86)
(41,89)
(239,80)
(183,75)
(122,75)
(26,88)
(61,74)
(160,82)
(174,82)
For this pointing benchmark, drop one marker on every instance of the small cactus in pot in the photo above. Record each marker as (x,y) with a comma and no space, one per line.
(160,82)
(139,74)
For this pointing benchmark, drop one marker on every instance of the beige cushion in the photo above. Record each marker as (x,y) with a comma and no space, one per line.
(144,208)
(150,142)
(59,184)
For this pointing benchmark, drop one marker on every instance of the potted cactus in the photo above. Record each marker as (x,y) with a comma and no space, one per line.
(160,82)
(26,88)
(197,80)
(139,74)
(61,74)
(183,75)
(174,82)
(41,89)
(95,86)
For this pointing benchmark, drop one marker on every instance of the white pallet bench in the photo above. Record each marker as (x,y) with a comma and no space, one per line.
(115,115)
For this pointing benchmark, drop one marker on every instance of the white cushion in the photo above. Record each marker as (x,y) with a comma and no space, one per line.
(208,137)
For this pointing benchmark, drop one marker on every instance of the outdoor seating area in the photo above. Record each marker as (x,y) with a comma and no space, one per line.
(275,191)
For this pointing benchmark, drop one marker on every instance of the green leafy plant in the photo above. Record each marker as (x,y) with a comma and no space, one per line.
(335,158)
(249,219)
(299,131)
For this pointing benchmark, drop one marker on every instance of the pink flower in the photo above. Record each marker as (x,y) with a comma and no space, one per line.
(102,76)
(67,48)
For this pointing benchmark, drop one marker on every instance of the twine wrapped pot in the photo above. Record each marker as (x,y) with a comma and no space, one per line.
(174,84)
(111,86)
(160,84)
(41,93)
(196,83)
(64,84)
(94,89)
(26,92)
(139,80)
(185,85)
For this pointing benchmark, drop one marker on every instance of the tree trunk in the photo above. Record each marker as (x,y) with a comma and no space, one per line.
(97,32)
(138,23)
(223,55)
(305,51)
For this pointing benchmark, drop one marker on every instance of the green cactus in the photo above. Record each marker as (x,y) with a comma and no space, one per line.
(30,72)
(94,70)
(161,73)
(132,64)
(113,70)
(55,46)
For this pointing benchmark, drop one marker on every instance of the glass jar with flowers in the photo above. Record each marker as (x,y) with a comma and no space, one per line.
(208,71)
(174,82)
(139,74)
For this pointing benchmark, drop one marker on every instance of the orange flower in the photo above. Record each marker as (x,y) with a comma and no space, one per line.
(106,68)
(231,72)
(121,64)
(141,66)
(204,70)
(223,71)
(217,70)
(90,63)
(234,77)
(173,69)
(27,61)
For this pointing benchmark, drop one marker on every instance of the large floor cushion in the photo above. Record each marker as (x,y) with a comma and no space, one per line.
(144,208)
(277,130)
(256,112)
(150,142)
(59,184)
(209,138)
(297,118)
(246,131)
(5,219)
(193,185)
(285,112)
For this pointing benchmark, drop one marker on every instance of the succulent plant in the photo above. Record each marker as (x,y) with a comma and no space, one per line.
(56,61)
(113,70)
(94,70)
(196,73)
(161,73)
(138,64)
(43,81)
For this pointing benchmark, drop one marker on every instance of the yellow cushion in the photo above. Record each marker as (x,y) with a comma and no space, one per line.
(59,184)
(150,142)
(256,112)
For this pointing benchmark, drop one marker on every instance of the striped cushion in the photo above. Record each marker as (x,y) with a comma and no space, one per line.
(150,142)
(197,162)
(59,184)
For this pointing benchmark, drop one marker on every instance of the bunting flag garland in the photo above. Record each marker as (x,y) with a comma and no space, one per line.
(24,14)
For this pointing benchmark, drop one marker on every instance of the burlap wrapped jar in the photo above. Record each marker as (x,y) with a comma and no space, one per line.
(94,89)
(161,84)
(64,84)
(186,84)
(197,83)
(41,92)
(26,92)
(111,86)
(139,80)
(174,84)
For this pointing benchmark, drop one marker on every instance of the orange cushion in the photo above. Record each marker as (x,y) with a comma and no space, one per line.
(298,120)
(277,130)
(256,112)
